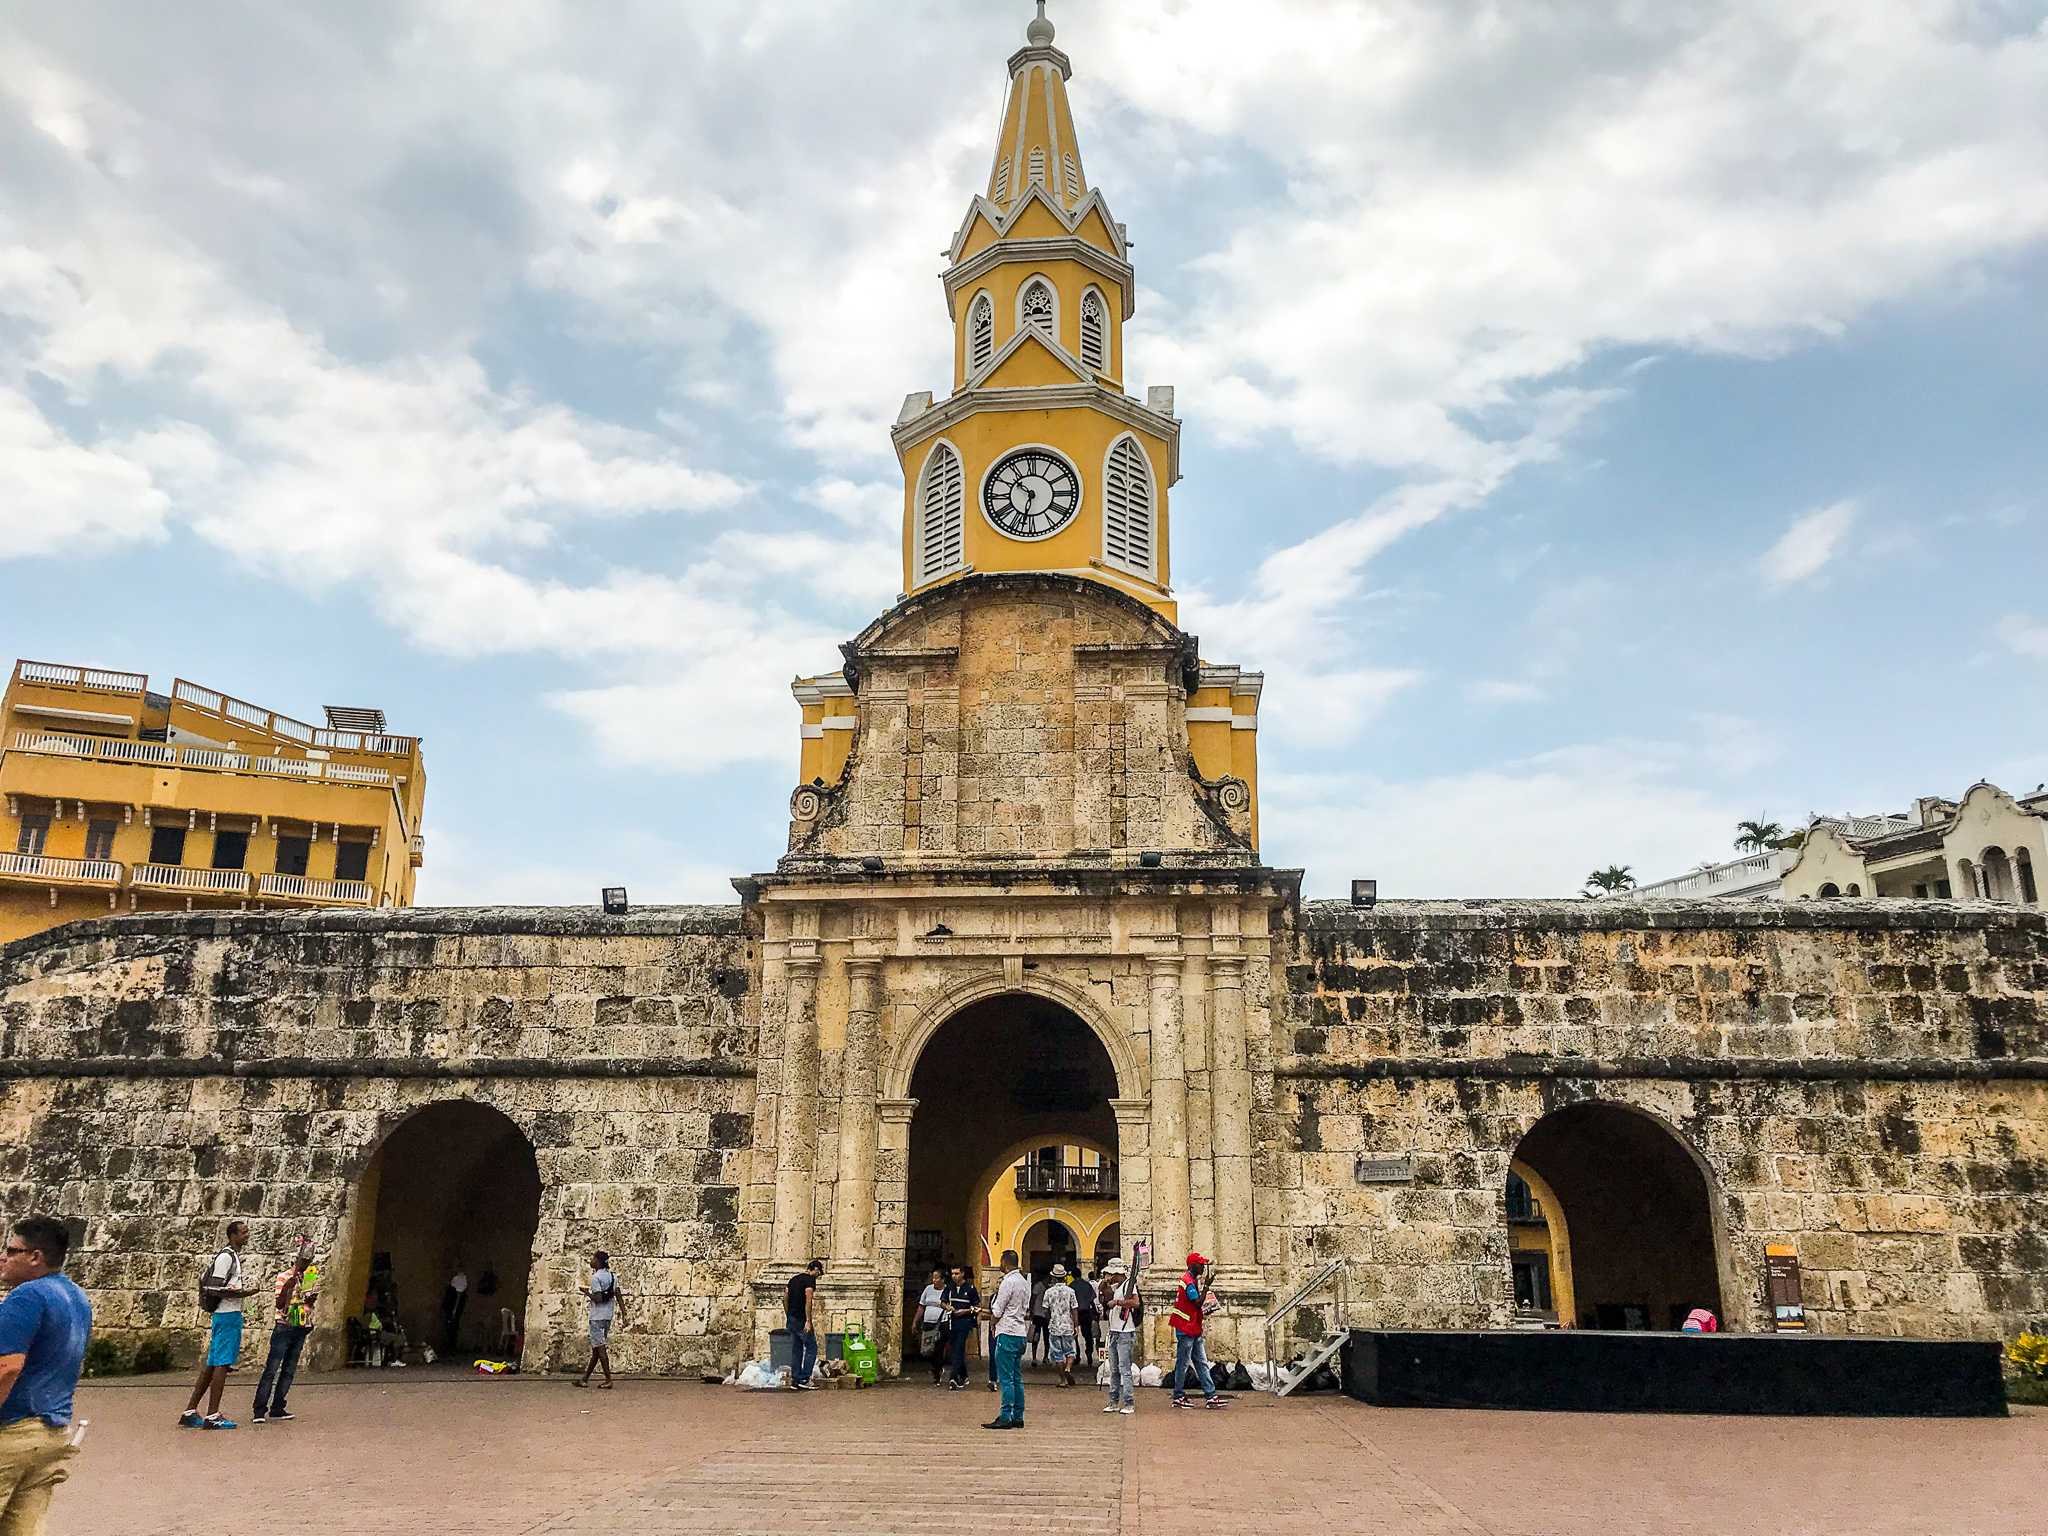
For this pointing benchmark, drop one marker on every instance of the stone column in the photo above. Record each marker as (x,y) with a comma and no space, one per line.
(1230,1087)
(892,1211)
(1134,1170)
(853,1206)
(796,1109)
(1169,1114)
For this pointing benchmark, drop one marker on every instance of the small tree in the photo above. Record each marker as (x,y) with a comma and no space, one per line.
(1611,881)
(1757,836)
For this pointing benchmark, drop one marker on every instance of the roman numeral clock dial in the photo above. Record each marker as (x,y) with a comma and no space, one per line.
(1031,494)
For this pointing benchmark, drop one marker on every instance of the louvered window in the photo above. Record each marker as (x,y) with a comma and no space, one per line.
(1002,178)
(1094,332)
(981,333)
(1037,307)
(1127,509)
(1073,173)
(942,503)
(1038,165)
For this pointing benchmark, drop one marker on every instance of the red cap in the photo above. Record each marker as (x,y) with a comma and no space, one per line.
(1196,1261)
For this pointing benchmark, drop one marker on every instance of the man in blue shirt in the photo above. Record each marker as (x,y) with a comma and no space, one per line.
(44,1323)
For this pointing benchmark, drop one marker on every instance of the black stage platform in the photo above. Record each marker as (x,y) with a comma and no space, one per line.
(1582,1371)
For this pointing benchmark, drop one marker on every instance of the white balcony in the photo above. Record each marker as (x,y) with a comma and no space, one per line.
(348,893)
(118,750)
(175,877)
(45,871)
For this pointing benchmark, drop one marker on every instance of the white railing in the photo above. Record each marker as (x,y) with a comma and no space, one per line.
(63,746)
(349,773)
(81,677)
(1758,870)
(356,741)
(294,767)
(36,866)
(419,844)
(175,877)
(207,757)
(120,750)
(305,888)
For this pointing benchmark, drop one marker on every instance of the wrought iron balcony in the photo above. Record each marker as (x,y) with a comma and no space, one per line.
(1039,1182)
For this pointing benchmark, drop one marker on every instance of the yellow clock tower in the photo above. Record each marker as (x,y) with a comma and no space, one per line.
(1038,460)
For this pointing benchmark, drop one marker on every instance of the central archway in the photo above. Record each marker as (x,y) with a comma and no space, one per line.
(1007,1073)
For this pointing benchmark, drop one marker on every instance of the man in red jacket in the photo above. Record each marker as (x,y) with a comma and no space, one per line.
(1190,1305)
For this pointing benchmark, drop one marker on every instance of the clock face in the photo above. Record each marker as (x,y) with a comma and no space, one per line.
(1031,494)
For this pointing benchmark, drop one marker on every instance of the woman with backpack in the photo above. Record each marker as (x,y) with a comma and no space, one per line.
(603,1292)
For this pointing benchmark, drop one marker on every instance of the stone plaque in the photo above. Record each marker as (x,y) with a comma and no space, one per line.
(1385,1170)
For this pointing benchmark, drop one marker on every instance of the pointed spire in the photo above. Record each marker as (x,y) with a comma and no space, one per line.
(1037,140)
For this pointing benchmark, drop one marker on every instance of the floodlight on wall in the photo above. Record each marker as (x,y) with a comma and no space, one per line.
(1148,861)
(615,901)
(1364,893)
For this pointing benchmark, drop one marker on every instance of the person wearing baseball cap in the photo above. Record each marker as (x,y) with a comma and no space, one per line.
(1190,1305)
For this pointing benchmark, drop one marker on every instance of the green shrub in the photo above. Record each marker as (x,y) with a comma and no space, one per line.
(2027,1389)
(152,1355)
(103,1357)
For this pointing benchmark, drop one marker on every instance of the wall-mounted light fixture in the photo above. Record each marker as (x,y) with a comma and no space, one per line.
(615,901)
(1364,892)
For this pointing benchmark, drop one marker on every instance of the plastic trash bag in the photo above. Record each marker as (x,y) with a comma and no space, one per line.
(1102,1374)
(1149,1376)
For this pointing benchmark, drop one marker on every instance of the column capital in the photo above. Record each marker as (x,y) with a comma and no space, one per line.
(1164,965)
(803,964)
(1128,1111)
(1225,964)
(864,965)
(899,1111)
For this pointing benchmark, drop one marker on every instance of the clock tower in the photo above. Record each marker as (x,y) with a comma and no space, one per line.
(1038,460)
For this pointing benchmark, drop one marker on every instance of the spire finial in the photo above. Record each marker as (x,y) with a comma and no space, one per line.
(1039,33)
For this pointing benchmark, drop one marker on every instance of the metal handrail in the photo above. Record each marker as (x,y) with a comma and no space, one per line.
(1336,1269)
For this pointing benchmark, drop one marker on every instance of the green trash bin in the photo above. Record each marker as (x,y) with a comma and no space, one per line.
(860,1358)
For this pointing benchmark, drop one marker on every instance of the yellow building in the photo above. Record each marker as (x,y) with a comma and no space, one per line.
(1539,1250)
(119,799)
(1058,1205)
(1038,461)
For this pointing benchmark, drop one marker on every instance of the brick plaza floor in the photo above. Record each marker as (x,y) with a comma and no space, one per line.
(431,1452)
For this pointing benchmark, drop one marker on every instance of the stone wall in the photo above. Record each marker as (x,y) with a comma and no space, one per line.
(164,1073)
(1862,1080)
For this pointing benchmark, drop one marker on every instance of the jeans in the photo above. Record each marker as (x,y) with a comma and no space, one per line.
(1010,1374)
(34,1459)
(279,1367)
(960,1333)
(1188,1347)
(1121,1375)
(1084,1335)
(803,1350)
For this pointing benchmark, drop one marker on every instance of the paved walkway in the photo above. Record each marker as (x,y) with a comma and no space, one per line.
(376,1452)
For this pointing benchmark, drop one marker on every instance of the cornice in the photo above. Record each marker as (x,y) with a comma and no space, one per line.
(1041,55)
(1035,252)
(955,409)
(1001,220)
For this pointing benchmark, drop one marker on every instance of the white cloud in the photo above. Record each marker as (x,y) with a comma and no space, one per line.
(1494,690)
(1808,545)
(2024,636)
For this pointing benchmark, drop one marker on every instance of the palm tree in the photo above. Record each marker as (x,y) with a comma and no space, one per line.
(1611,881)
(1756,836)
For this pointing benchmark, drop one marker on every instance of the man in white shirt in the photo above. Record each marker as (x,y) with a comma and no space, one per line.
(1120,1300)
(1011,1310)
(220,1292)
(931,1316)
(453,1300)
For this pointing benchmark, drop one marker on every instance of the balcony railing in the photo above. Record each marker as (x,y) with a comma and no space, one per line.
(354,893)
(119,750)
(1074,1183)
(419,849)
(226,707)
(34,866)
(87,679)
(175,877)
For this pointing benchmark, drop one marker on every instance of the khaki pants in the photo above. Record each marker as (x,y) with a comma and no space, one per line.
(34,1459)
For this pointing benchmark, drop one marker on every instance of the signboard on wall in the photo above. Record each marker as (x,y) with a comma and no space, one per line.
(1781,1280)
(1385,1170)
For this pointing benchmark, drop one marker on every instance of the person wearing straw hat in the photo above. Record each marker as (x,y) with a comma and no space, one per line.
(1121,1304)
(1061,1308)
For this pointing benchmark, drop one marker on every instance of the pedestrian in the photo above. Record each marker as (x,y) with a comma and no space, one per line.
(1086,1310)
(603,1292)
(220,1292)
(453,1301)
(294,1291)
(1126,1312)
(1037,1319)
(44,1324)
(1011,1311)
(1190,1306)
(963,1311)
(1700,1320)
(800,1315)
(1061,1308)
(933,1327)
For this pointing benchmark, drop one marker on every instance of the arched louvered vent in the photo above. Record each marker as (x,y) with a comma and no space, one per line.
(1002,178)
(941,511)
(1038,165)
(1073,173)
(1127,535)
(1094,332)
(1037,308)
(981,333)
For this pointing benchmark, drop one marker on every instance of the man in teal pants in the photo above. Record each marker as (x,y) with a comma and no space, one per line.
(1012,1312)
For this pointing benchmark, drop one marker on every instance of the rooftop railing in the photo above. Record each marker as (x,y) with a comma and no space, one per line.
(50,674)
(120,750)
(227,707)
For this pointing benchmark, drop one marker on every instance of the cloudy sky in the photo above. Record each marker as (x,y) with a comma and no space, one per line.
(1604,420)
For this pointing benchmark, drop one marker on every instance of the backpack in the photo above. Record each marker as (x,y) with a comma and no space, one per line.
(611,1291)
(212,1287)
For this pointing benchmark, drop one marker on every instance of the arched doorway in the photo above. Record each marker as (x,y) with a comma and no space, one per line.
(1004,1077)
(1632,1243)
(455,1183)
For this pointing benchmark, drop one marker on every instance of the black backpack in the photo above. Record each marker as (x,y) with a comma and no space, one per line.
(211,1289)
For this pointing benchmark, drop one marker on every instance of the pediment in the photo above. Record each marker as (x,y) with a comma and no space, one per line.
(1030,359)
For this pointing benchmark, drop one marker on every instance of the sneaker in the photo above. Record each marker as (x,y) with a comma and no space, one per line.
(190,1419)
(278,1415)
(1112,1408)
(1181,1402)
(215,1421)
(259,1418)
(997,1424)
(1127,1408)
(957,1386)
(1214,1402)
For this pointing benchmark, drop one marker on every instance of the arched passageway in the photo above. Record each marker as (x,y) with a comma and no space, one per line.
(1632,1242)
(1004,1076)
(456,1183)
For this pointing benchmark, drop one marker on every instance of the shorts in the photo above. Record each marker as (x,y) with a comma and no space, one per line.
(1059,1347)
(600,1330)
(224,1347)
